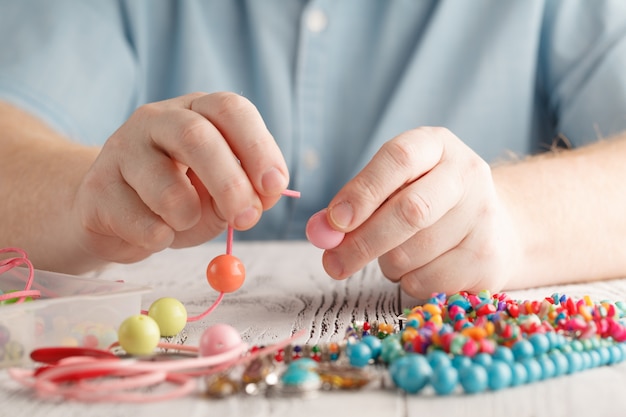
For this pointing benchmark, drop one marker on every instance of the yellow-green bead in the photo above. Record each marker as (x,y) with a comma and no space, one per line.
(170,314)
(139,335)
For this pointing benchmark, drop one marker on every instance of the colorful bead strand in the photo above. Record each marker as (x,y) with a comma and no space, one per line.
(481,342)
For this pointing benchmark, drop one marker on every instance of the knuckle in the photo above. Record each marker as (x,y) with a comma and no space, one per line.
(420,287)
(401,151)
(437,130)
(364,252)
(178,207)
(192,137)
(231,104)
(394,263)
(156,237)
(94,183)
(415,210)
(416,286)
(234,185)
(486,251)
(147,111)
(368,190)
(172,195)
(479,167)
(423,285)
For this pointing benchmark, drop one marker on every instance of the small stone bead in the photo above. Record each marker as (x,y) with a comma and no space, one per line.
(500,375)
(411,372)
(560,362)
(533,369)
(460,362)
(548,369)
(444,379)
(438,359)
(359,354)
(374,344)
(519,374)
(540,343)
(474,379)
(523,349)
(504,353)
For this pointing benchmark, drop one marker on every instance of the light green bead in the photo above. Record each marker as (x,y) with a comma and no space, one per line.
(139,335)
(170,314)
(391,349)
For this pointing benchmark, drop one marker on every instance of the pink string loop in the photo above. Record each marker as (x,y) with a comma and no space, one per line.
(91,379)
(13,262)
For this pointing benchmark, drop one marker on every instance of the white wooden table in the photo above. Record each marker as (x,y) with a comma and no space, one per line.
(287,290)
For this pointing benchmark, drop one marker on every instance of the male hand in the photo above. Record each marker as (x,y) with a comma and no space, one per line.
(176,174)
(426,206)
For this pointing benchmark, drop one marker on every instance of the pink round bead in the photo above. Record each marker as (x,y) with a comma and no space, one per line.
(320,234)
(217,339)
(470,348)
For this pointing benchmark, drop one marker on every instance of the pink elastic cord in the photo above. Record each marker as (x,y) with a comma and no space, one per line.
(209,310)
(92,379)
(229,251)
(10,263)
(202,315)
(291,193)
(21,295)
(229,240)
(134,375)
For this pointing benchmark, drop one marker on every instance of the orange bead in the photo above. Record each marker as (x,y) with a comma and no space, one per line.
(225,273)
(476,333)
(409,334)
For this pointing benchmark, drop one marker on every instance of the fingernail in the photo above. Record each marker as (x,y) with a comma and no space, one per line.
(333,265)
(341,214)
(246,218)
(273,181)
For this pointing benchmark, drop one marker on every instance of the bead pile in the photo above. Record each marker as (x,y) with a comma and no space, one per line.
(479,342)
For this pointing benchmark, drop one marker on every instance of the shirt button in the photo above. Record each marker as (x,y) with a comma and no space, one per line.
(311,159)
(316,20)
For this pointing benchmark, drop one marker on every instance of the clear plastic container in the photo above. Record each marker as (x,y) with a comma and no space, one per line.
(72,311)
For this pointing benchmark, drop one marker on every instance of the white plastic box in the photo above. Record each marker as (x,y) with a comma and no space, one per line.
(72,311)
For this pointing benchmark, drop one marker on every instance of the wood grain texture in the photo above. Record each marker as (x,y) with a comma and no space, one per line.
(287,290)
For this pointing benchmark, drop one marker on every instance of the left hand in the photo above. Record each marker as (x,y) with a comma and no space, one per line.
(427,207)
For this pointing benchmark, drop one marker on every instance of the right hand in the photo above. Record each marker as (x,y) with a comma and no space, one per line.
(175,175)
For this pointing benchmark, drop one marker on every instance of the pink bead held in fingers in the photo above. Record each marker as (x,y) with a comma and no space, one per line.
(320,234)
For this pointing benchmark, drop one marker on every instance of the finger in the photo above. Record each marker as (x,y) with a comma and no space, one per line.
(472,266)
(121,214)
(243,128)
(211,223)
(415,208)
(190,139)
(399,162)
(163,186)
(113,249)
(451,272)
(422,248)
